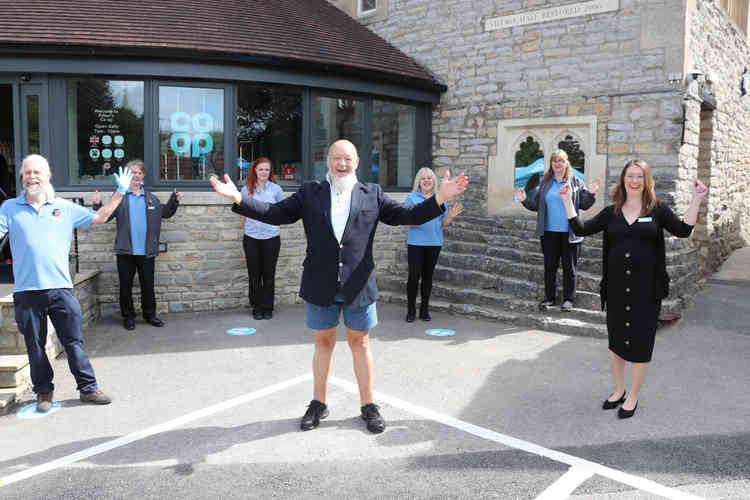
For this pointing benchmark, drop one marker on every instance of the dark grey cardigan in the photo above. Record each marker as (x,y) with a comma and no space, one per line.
(583,199)
(155,212)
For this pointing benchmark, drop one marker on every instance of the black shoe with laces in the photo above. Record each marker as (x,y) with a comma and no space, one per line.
(371,415)
(316,411)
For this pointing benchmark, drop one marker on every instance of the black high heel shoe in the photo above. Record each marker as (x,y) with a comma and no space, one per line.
(627,413)
(611,405)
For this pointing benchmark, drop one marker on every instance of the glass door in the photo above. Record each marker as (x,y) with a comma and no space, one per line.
(33,115)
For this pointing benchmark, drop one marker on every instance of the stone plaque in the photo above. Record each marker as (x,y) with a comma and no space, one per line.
(551,14)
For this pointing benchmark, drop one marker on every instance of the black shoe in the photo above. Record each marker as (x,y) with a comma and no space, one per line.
(316,411)
(44,401)
(627,413)
(425,316)
(268,315)
(257,315)
(128,323)
(411,316)
(155,322)
(611,405)
(371,415)
(546,304)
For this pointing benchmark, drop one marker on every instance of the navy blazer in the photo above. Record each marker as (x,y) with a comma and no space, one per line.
(327,262)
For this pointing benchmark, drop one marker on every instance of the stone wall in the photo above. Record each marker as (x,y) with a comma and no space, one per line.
(717,142)
(614,66)
(204,267)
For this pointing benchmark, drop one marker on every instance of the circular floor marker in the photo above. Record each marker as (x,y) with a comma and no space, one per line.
(440,332)
(240,331)
(29,411)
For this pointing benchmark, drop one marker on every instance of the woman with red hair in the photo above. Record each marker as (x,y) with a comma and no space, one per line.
(261,242)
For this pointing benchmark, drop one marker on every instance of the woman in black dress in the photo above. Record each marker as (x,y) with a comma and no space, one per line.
(634,276)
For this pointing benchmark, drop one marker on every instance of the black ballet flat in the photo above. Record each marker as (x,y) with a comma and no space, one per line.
(627,413)
(611,405)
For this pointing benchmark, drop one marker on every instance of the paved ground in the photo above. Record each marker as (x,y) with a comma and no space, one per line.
(494,412)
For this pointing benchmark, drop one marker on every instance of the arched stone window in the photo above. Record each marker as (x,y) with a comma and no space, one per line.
(529,161)
(576,155)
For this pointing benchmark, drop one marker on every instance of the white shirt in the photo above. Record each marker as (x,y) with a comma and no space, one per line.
(340,205)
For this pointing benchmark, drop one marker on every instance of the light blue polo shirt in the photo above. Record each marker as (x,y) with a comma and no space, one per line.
(271,193)
(556,216)
(137,213)
(40,241)
(431,232)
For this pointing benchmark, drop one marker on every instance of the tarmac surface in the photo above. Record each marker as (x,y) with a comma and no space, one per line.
(492,412)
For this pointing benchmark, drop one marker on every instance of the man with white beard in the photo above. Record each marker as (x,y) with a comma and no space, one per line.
(340,216)
(41,228)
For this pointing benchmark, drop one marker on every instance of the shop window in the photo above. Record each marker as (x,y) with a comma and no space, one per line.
(334,118)
(529,163)
(105,127)
(392,160)
(269,123)
(191,133)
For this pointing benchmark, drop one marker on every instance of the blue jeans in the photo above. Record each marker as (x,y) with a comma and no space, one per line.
(355,318)
(32,308)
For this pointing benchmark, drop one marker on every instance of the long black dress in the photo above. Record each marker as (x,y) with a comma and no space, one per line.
(634,277)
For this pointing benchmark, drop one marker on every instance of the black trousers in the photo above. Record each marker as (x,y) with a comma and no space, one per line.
(127,265)
(555,247)
(261,257)
(422,262)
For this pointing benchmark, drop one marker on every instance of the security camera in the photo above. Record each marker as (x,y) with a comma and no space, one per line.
(695,73)
(25,77)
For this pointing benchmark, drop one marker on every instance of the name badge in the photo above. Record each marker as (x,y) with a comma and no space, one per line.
(645,219)
(152,208)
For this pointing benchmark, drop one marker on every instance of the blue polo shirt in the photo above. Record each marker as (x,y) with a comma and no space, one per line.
(430,233)
(557,217)
(40,241)
(137,213)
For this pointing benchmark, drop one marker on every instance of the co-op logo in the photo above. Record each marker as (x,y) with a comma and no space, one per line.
(200,142)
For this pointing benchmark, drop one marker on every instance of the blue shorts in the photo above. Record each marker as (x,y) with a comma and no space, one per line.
(355,318)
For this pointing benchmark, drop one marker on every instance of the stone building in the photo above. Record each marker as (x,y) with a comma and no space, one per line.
(613,80)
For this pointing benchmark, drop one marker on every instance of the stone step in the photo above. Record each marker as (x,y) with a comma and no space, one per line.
(552,322)
(587,306)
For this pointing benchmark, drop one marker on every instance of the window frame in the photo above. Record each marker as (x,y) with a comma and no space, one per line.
(369,12)
(230,129)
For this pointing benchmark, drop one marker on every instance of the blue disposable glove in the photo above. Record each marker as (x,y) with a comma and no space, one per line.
(123,180)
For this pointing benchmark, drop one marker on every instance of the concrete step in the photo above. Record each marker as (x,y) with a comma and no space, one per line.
(548,322)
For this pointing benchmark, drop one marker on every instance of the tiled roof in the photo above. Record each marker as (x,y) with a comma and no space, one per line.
(312,34)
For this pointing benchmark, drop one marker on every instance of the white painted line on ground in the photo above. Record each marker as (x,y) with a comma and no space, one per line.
(519,444)
(567,483)
(150,431)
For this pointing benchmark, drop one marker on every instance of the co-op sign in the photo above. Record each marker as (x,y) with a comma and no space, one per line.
(191,134)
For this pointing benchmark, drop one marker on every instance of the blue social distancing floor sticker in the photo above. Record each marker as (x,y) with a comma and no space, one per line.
(241,331)
(29,411)
(440,332)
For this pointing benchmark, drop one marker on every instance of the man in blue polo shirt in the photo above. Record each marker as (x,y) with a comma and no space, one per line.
(41,228)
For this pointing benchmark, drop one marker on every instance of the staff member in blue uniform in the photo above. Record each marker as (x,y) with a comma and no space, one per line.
(137,244)
(41,228)
(340,216)
(424,244)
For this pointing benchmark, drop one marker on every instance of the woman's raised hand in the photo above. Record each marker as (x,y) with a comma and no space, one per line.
(520,194)
(97,200)
(565,191)
(455,210)
(699,190)
(594,186)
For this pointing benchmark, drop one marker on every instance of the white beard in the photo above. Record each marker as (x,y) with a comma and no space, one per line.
(342,184)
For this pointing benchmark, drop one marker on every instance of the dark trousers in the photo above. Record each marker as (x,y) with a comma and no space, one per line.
(422,262)
(261,257)
(127,265)
(555,247)
(60,305)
